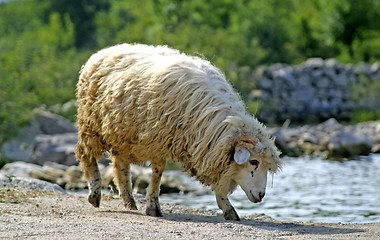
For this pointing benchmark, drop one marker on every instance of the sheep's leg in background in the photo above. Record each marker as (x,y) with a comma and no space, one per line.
(153,205)
(123,181)
(91,172)
(224,204)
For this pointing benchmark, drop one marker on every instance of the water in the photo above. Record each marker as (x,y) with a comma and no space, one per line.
(313,190)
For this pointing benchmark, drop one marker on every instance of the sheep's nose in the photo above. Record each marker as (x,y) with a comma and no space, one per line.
(261,195)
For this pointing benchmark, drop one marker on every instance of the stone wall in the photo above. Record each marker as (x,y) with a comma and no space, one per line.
(316,90)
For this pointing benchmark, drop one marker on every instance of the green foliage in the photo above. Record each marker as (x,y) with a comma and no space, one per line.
(366,98)
(364,116)
(43,43)
(253,107)
(357,29)
(82,13)
(39,63)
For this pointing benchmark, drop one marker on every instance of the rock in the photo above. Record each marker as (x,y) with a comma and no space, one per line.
(107,177)
(330,139)
(330,124)
(333,63)
(29,184)
(22,147)
(71,178)
(57,148)
(364,68)
(265,83)
(315,62)
(375,71)
(308,137)
(323,83)
(304,94)
(50,172)
(318,89)
(141,180)
(284,75)
(350,144)
(54,165)
(50,123)
(281,138)
(20,169)
(375,148)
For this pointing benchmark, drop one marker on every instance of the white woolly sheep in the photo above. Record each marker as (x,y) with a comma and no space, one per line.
(145,103)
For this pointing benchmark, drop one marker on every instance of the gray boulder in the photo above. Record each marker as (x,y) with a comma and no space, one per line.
(23,147)
(57,148)
(20,169)
(50,123)
(349,144)
(28,184)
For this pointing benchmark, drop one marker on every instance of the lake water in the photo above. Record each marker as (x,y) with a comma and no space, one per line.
(313,190)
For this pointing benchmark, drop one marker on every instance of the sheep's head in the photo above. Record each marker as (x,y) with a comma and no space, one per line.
(253,160)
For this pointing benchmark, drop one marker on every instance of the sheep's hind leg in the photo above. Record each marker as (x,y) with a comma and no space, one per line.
(124,181)
(92,174)
(153,206)
(229,212)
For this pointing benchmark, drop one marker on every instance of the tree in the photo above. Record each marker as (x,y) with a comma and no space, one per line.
(38,62)
(82,13)
(358,21)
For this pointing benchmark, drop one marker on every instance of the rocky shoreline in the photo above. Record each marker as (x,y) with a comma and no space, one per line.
(329,139)
(45,150)
(51,138)
(71,178)
(34,202)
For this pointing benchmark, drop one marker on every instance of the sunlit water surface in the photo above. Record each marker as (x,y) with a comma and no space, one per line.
(314,190)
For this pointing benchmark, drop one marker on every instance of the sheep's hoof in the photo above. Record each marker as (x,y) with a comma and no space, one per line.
(94,199)
(131,205)
(153,211)
(231,214)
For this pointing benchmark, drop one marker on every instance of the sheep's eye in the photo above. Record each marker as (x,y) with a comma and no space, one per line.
(254,162)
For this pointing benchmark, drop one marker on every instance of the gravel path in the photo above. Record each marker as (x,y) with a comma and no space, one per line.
(41,215)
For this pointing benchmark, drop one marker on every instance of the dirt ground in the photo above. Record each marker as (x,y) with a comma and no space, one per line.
(41,215)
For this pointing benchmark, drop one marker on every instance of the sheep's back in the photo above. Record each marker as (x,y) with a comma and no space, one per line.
(154,101)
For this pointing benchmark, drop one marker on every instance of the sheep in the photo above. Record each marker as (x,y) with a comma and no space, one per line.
(152,103)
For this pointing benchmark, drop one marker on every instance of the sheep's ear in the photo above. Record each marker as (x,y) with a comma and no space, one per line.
(241,155)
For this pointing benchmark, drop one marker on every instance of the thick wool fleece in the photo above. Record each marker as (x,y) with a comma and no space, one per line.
(151,103)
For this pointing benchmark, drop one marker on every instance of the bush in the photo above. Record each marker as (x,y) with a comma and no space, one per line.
(364,116)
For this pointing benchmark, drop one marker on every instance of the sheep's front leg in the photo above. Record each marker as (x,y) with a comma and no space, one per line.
(92,175)
(123,181)
(224,204)
(153,205)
